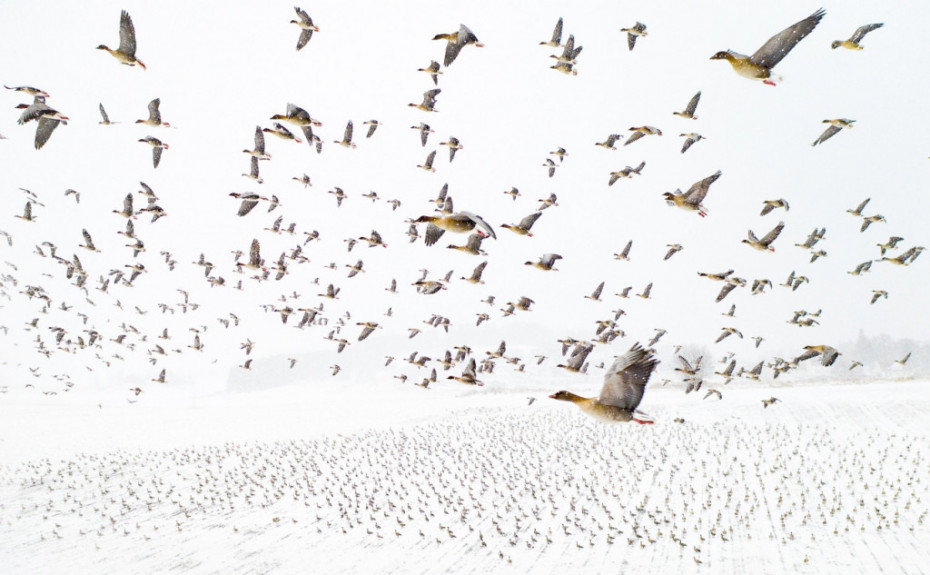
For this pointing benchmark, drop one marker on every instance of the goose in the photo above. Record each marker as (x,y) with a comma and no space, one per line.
(672,250)
(835,127)
(693,198)
(433,71)
(869,220)
(890,244)
(759,65)
(690,139)
(154,118)
(853,43)
(454,145)
(259,151)
(556,40)
(368,328)
(297,116)
(429,101)
(253,171)
(46,117)
(475,277)
(30,90)
(764,244)
(523,228)
(609,142)
(346,141)
(596,294)
(634,32)
(126,53)
(424,130)
(157,147)
(623,389)
(469,375)
(372,126)
(281,132)
(305,23)
(459,222)
(826,353)
(255,259)
(546,262)
(472,245)
(688,112)
(457,40)
(428,164)
(878,294)
(769,205)
(626,172)
(249,201)
(104,118)
(625,254)
(641,131)
(857,211)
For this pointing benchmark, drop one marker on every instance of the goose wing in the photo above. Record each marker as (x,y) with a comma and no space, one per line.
(127,35)
(625,381)
(778,46)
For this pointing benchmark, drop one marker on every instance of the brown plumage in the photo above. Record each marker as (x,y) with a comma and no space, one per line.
(624,385)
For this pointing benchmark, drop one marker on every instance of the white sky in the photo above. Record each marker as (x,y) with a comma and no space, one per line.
(222,69)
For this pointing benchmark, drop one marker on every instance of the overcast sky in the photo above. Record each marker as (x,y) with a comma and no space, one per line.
(222,69)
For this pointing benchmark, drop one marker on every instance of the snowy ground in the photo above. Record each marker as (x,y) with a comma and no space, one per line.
(835,478)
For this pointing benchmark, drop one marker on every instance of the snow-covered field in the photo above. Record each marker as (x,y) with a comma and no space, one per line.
(396,479)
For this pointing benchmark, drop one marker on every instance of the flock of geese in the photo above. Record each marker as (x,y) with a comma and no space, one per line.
(490,489)
(87,332)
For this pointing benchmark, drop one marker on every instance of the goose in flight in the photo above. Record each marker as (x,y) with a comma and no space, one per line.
(346,141)
(154,118)
(47,119)
(857,211)
(693,198)
(626,172)
(556,40)
(691,138)
(433,71)
(523,228)
(639,132)
(624,386)
(305,23)
(259,151)
(688,112)
(157,147)
(610,141)
(459,222)
(104,118)
(546,262)
(457,40)
(759,65)
(126,53)
(856,38)
(632,33)
(765,244)
(469,375)
(769,205)
(472,245)
(429,101)
(826,353)
(835,127)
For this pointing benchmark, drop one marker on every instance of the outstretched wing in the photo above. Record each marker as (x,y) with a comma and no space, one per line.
(625,381)
(127,35)
(778,46)
(827,134)
(860,32)
(770,237)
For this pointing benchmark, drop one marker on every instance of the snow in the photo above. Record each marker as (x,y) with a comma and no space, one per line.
(394,478)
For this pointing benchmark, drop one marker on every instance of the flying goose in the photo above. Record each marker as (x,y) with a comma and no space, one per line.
(759,65)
